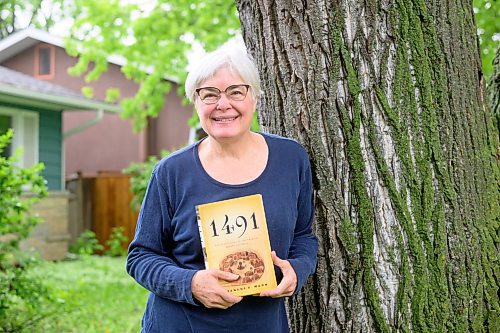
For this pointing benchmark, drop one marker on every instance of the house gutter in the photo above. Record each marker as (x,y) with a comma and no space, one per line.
(85,125)
(65,102)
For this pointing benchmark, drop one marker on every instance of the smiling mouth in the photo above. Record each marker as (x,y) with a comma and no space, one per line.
(224,120)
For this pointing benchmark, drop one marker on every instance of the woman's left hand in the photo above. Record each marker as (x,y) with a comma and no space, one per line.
(288,283)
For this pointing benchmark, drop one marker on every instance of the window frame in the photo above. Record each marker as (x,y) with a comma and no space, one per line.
(52,62)
(18,125)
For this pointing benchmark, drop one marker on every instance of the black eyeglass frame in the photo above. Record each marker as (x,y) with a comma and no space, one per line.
(247,86)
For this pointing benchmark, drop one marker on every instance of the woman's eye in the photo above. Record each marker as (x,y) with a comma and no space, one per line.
(209,95)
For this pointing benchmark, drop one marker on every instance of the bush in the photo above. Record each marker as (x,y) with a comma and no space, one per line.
(86,244)
(141,172)
(16,219)
(115,243)
(23,298)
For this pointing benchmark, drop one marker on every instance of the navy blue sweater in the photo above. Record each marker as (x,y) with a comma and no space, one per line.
(166,251)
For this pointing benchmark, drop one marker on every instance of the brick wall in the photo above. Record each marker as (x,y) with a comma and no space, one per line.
(50,238)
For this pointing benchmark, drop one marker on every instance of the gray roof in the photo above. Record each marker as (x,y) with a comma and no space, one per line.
(21,88)
(22,81)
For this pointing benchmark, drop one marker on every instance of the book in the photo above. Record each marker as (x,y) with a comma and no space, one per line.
(234,238)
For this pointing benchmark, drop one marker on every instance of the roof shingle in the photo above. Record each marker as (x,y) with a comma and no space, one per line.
(22,81)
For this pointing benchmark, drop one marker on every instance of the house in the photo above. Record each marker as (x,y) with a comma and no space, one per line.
(91,140)
(35,109)
(109,144)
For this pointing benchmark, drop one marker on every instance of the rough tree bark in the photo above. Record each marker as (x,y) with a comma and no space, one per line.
(387,97)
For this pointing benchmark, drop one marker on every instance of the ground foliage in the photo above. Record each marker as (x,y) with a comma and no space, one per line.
(93,293)
(86,244)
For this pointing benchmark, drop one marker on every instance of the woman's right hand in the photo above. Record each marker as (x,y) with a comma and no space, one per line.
(206,288)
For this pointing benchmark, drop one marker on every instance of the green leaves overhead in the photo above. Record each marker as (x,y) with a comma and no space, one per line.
(18,14)
(487,14)
(155,39)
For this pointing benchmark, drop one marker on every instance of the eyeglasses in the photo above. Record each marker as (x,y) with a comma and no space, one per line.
(211,95)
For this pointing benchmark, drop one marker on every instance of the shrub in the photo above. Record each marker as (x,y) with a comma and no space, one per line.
(23,298)
(141,172)
(115,243)
(16,219)
(86,244)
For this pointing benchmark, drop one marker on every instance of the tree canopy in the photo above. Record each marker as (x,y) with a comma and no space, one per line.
(154,39)
(487,13)
(18,14)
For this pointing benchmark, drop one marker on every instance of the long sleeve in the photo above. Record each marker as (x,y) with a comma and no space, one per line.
(149,259)
(166,251)
(303,250)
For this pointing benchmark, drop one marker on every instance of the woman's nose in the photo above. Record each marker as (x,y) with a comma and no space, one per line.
(223,103)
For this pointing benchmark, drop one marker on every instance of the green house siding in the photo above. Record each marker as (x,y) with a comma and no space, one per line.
(49,141)
(50,147)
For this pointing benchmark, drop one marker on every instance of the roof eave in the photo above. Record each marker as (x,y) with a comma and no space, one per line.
(58,102)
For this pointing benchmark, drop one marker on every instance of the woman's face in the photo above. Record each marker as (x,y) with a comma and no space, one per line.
(225,119)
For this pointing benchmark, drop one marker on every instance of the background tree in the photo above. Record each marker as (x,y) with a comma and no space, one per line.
(154,39)
(18,14)
(387,98)
(487,14)
(494,91)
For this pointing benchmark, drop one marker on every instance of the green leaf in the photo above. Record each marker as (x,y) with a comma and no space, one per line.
(155,41)
(88,92)
(487,13)
(112,95)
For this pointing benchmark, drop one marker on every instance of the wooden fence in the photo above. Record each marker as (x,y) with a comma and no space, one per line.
(101,203)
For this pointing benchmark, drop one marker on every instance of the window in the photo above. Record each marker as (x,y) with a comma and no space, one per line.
(5,124)
(25,126)
(44,61)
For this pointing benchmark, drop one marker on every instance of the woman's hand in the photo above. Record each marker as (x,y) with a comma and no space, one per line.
(288,284)
(206,288)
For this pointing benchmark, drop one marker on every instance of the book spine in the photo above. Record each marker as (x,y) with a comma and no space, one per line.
(200,230)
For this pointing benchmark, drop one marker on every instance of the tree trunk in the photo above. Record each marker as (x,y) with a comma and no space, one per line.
(387,98)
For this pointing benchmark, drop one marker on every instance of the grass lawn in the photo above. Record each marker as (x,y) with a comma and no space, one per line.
(95,294)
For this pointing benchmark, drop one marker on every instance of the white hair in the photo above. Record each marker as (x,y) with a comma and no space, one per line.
(237,60)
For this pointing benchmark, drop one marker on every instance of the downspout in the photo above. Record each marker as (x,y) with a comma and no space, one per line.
(85,125)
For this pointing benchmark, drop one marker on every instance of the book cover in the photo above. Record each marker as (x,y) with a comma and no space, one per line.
(234,238)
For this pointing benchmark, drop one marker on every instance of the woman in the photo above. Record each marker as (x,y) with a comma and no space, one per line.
(165,256)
